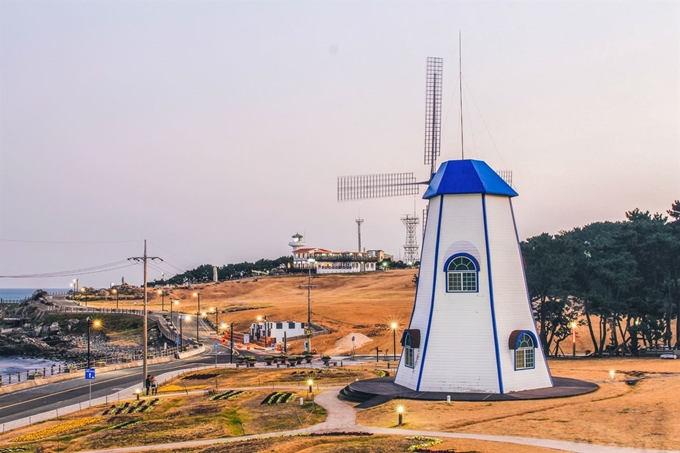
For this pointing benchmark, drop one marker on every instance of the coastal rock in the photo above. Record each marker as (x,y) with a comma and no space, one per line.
(54,328)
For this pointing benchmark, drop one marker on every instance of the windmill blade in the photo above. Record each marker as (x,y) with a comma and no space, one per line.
(506,175)
(362,187)
(433,111)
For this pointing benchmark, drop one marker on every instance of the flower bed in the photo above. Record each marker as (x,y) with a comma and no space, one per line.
(132,407)
(426,443)
(124,425)
(278,398)
(227,395)
(180,388)
(56,429)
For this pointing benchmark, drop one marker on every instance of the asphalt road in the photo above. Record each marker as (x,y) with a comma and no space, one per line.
(48,397)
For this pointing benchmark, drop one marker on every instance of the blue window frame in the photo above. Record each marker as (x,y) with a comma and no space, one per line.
(461,274)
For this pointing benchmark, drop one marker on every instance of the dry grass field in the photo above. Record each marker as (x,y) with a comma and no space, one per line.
(635,409)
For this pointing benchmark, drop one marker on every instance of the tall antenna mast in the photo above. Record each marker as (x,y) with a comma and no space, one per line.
(359,221)
(460,85)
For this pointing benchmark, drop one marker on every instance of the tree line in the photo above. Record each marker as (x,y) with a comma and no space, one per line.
(621,277)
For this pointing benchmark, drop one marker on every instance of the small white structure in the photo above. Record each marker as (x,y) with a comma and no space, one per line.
(472,328)
(275,330)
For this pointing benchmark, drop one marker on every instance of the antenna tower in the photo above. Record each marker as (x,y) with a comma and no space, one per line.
(411,246)
(359,221)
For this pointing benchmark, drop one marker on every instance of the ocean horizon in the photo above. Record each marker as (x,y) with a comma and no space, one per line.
(23,293)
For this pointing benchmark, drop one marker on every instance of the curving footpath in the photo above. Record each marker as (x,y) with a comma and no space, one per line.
(342,417)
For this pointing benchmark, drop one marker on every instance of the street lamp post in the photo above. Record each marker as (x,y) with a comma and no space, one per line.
(90,323)
(181,338)
(573,338)
(394,340)
(162,293)
(198,312)
(115,291)
(172,302)
(88,341)
(266,336)
(231,340)
(309,304)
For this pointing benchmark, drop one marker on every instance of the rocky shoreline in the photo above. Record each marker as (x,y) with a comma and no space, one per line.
(29,334)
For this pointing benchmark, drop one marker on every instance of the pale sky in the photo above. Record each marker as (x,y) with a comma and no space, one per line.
(216,130)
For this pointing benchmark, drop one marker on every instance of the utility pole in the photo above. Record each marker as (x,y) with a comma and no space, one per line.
(145,260)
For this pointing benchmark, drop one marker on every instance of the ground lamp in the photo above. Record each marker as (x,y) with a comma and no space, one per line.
(310,383)
(198,313)
(400,412)
(394,340)
(573,338)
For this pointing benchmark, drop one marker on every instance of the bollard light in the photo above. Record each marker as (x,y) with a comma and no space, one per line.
(400,411)
(310,383)
(612,373)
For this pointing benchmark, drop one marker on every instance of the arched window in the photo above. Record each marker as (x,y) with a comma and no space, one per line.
(461,274)
(525,350)
(410,340)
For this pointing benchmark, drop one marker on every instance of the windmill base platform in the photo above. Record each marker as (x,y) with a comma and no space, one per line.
(373,392)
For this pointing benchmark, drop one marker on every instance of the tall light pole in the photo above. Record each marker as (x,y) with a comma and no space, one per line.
(162,293)
(115,291)
(259,318)
(90,323)
(309,304)
(394,340)
(231,341)
(181,338)
(573,338)
(172,302)
(88,341)
(198,313)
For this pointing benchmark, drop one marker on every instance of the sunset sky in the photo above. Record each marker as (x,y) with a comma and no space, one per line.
(216,130)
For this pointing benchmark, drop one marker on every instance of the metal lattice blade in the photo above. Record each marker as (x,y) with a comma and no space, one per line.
(377,186)
(506,175)
(433,110)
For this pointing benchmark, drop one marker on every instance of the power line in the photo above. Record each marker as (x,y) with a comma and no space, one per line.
(176,256)
(67,242)
(87,270)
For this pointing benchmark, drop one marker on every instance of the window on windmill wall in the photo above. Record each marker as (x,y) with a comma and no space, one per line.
(524,354)
(409,357)
(461,274)
(279,325)
(291,325)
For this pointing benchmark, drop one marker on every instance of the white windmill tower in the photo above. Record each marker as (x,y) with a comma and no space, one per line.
(472,328)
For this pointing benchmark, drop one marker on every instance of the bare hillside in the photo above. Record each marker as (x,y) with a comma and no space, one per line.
(352,303)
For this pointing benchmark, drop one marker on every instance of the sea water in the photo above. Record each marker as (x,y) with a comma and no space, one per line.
(24,293)
(21,364)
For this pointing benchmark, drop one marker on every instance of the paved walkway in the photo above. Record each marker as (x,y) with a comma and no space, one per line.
(342,417)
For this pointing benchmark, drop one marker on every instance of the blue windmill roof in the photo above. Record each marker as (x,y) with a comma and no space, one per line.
(467,176)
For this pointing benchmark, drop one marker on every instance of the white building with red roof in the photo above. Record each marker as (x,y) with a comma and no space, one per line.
(329,262)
